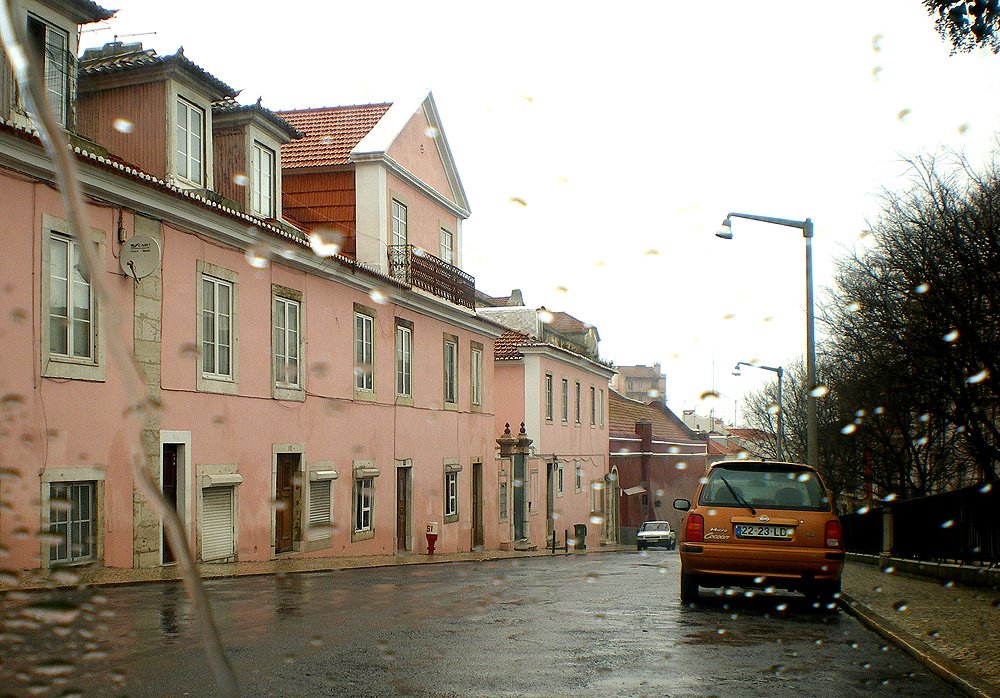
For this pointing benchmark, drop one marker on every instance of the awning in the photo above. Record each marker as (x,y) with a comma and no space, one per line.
(638,489)
(221,479)
(315,475)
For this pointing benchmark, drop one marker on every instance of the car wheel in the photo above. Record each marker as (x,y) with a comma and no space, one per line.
(640,546)
(673,546)
(689,588)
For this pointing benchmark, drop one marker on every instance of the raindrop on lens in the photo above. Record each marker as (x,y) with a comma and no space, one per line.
(325,242)
(709,395)
(431,132)
(258,256)
(819,391)
(241,180)
(892,497)
(595,519)
(922,288)
(681,465)
(773,408)
(378,296)
(123,125)
(951,336)
(948,524)
(864,510)
(518,200)
(849,429)
(900,606)
(544,316)
(979,377)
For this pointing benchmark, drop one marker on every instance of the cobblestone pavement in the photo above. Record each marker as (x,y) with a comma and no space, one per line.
(953,629)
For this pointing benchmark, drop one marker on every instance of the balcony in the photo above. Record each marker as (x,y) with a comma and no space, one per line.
(423,270)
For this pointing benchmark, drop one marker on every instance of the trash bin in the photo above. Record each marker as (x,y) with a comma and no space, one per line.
(580,535)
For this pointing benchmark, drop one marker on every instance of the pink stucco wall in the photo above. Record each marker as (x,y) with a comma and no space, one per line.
(424,217)
(420,153)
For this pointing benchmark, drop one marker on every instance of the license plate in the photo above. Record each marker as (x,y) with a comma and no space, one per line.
(759,531)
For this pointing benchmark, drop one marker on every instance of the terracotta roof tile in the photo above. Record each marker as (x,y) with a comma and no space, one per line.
(330,133)
(119,57)
(564,323)
(229,105)
(623,413)
(506,346)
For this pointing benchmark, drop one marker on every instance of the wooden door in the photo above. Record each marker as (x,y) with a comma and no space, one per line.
(284,501)
(402,508)
(477,506)
(168,484)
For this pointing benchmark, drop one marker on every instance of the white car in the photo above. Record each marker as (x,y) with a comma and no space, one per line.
(656,533)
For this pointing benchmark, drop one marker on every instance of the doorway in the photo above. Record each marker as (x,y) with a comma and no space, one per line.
(520,510)
(550,500)
(478,534)
(169,487)
(403,508)
(284,502)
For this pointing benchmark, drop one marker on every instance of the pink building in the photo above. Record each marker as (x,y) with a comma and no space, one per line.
(302,401)
(558,389)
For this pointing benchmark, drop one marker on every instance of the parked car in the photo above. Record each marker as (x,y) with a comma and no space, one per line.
(761,524)
(656,533)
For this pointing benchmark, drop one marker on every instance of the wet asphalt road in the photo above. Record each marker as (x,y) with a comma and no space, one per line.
(595,625)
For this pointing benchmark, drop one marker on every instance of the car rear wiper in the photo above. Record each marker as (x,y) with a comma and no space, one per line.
(739,499)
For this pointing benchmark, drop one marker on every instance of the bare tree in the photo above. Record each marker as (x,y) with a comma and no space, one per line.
(967,24)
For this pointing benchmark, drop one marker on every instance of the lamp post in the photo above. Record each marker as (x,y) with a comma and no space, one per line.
(806,226)
(781,420)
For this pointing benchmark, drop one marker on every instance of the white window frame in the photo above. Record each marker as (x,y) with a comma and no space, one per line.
(364,505)
(602,408)
(476,377)
(565,401)
(404,361)
(399,229)
(450,369)
(579,475)
(578,402)
(209,381)
(69,476)
(190,146)
(262,181)
(212,347)
(549,397)
(68,521)
(447,246)
(593,406)
(287,303)
(75,283)
(57,67)
(364,352)
(65,365)
(450,494)
(560,479)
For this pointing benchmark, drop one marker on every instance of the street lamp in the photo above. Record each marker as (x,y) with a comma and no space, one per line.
(781,421)
(806,226)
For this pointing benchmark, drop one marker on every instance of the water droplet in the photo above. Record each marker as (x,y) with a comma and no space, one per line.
(979,377)
(864,510)
(877,43)
(325,242)
(781,607)
(518,200)
(544,316)
(709,395)
(820,390)
(903,113)
(653,394)
(773,408)
(934,632)
(853,307)
(758,580)
(591,577)
(721,631)
(258,256)
(597,486)
(891,497)
(189,351)
(596,519)
(987,488)
(900,606)
(948,524)
(674,449)
(922,288)
(561,289)
(431,132)
(681,465)
(729,316)
(888,570)
(378,296)
(849,429)
(122,125)
(241,180)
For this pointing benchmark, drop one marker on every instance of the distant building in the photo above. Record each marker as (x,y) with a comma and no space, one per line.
(642,383)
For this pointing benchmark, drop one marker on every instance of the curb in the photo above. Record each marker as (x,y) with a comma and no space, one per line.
(947,669)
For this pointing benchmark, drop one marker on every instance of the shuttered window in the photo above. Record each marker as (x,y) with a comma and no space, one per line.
(320,514)
(217,533)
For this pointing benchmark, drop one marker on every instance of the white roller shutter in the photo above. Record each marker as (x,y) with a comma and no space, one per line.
(217,534)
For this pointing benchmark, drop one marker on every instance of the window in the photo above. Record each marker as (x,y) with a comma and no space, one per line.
(398,223)
(450,495)
(73,521)
(578,485)
(404,359)
(560,479)
(451,369)
(287,367)
(476,378)
(577,403)
(548,397)
(216,327)
(320,508)
(71,302)
(262,181)
(565,400)
(593,406)
(50,48)
(364,352)
(190,142)
(364,498)
(447,246)
(502,500)
(602,407)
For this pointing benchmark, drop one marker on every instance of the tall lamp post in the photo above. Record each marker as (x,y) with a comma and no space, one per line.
(781,420)
(806,226)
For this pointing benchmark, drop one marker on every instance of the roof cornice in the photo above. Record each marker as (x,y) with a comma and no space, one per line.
(394,167)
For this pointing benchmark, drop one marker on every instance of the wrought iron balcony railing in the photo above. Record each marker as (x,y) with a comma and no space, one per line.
(421,269)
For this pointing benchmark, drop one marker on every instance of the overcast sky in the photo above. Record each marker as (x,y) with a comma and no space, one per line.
(629,133)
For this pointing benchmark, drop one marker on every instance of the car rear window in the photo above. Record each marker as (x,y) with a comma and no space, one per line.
(765,485)
(655,527)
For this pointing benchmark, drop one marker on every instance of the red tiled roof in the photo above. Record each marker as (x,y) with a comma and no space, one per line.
(749,434)
(564,323)
(623,413)
(506,346)
(330,133)
(117,57)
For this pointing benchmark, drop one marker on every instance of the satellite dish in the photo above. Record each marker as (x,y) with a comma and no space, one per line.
(140,257)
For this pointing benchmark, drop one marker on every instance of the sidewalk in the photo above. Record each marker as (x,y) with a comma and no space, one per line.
(952,629)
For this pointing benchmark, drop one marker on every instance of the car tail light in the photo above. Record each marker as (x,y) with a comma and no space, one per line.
(694,530)
(833,534)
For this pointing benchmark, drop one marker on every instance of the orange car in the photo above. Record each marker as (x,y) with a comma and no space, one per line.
(761,524)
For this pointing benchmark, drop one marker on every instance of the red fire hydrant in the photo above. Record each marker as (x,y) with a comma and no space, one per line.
(432,536)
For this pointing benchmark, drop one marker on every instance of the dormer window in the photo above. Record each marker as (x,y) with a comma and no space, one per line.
(262,181)
(190,142)
(50,46)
